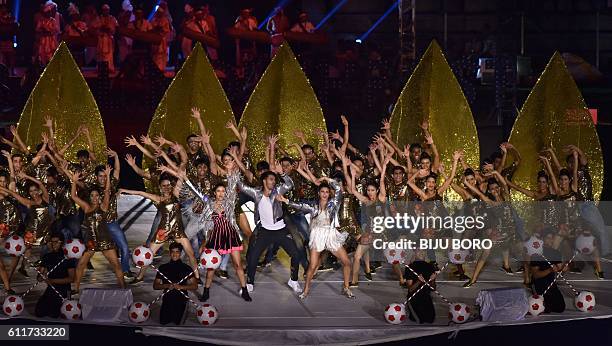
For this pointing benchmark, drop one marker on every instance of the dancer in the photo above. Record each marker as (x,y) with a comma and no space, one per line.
(544,270)
(170,225)
(420,306)
(95,232)
(10,220)
(323,233)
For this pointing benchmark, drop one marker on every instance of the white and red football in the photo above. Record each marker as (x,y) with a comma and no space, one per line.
(15,245)
(207,314)
(536,304)
(210,259)
(13,306)
(458,312)
(534,245)
(585,243)
(139,312)
(395,313)
(142,256)
(74,248)
(458,256)
(70,310)
(585,301)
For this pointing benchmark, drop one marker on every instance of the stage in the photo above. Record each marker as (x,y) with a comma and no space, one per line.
(277,316)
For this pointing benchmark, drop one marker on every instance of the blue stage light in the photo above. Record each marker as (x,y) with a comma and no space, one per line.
(385,15)
(331,13)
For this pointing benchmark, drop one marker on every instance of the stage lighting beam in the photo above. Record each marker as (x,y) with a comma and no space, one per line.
(331,13)
(385,15)
(281,3)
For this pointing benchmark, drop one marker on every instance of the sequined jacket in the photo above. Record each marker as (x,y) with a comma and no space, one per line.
(313,208)
(256,194)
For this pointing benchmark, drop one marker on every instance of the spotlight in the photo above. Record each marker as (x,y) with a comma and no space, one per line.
(358,41)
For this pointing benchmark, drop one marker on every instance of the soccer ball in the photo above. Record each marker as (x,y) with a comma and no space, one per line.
(458,256)
(458,312)
(585,243)
(13,306)
(142,256)
(585,301)
(207,314)
(536,304)
(395,313)
(396,256)
(74,248)
(210,259)
(15,245)
(70,310)
(139,312)
(534,245)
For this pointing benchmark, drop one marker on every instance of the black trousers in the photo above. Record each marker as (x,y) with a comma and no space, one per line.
(421,308)
(262,240)
(49,303)
(172,308)
(553,300)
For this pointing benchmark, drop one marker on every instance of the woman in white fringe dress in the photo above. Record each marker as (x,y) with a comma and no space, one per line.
(323,232)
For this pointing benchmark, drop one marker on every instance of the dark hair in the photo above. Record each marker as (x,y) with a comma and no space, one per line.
(307,146)
(468,171)
(338,176)
(496,155)
(99,168)
(569,158)
(39,146)
(492,181)
(165,176)
(566,172)
(234,144)
(416,146)
(542,174)
(357,158)
(95,188)
(5,174)
(175,246)
(485,162)
(52,171)
(218,185)
(191,136)
(425,156)
(286,159)
(337,164)
(372,183)
(226,153)
(432,175)
(29,185)
(202,161)
(266,174)
(83,154)
(324,185)
(16,155)
(398,168)
(262,166)
(58,235)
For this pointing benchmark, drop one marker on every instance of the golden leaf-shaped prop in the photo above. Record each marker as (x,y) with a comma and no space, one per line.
(195,85)
(433,93)
(283,101)
(62,93)
(555,115)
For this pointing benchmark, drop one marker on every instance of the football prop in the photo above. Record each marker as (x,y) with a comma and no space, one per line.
(70,310)
(207,314)
(13,306)
(395,313)
(533,246)
(458,256)
(142,256)
(139,312)
(585,301)
(458,312)
(585,243)
(15,245)
(536,304)
(396,256)
(210,259)
(74,248)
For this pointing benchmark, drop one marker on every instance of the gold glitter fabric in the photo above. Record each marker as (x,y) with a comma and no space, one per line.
(283,101)
(555,115)
(433,93)
(62,93)
(195,85)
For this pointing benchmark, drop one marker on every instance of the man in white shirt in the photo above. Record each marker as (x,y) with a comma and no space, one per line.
(271,229)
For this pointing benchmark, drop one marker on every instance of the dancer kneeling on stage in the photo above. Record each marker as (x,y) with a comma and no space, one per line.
(60,278)
(544,269)
(171,224)
(174,301)
(95,232)
(323,233)
(271,228)
(421,306)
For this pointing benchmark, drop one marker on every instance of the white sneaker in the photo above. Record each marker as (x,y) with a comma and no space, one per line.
(249,288)
(295,285)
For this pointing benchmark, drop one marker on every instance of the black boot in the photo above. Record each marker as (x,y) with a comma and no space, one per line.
(205,294)
(245,294)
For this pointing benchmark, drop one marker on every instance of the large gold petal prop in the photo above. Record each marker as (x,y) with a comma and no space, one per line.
(555,115)
(432,92)
(62,93)
(195,85)
(283,101)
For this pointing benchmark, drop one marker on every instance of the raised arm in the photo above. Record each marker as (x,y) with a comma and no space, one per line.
(520,189)
(90,145)
(74,178)
(345,138)
(475,190)
(448,181)
(152,197)
(71,141)
(422,195)
(107,189)
(131,161)
(117,163)
(41,186)
(17,139)
(22,200)
(575,171)
(132,142)
(551,175)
